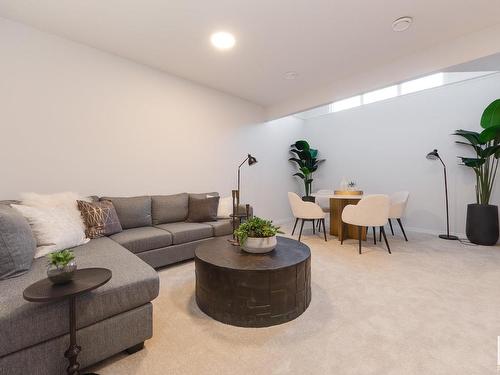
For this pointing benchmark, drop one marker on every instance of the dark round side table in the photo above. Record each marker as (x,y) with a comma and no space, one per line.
(253,290)
(84,280)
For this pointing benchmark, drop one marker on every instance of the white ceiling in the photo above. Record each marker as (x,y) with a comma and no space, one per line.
(323,40)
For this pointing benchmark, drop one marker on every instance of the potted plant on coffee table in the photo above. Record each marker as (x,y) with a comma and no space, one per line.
(257,235)
(482,217)
(61,266)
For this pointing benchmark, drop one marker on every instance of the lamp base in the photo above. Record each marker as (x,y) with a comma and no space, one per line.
(448,237)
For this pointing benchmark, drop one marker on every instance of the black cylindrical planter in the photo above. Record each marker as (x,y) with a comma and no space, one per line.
(482,224)
(308,198)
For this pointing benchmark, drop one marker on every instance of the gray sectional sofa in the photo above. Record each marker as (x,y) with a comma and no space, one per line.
(116,316)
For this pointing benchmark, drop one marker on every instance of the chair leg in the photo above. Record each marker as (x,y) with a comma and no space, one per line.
(390,224)
(324,229)
(314,227)
(359,238)
(342,234)
(374,236)
(301,227)
(402,230)
(296,221)
(385,239)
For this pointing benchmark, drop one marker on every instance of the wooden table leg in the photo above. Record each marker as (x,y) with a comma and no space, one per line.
(73,350)
(337,205)
(72,353)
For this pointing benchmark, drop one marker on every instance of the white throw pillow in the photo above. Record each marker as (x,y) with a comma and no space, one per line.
(225,209)
(54,228)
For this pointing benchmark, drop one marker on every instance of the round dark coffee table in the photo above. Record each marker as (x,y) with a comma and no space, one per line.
(253,290)
(84,280)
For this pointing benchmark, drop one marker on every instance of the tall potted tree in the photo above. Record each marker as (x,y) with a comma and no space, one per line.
(482,217)
(306,159)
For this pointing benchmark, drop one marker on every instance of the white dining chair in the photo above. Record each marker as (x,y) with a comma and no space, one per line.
(371,211)
(397,209)
(323,200)
(305,211)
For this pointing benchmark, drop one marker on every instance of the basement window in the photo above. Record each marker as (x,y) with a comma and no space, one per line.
(348,103)
(404,88)
(423,83)
(382,94)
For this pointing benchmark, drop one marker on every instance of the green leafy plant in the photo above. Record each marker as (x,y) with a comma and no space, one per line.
(486,146)
(256,227)
(306,159)
(60,259)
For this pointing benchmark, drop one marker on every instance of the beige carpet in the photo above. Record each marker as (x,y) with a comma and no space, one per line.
(432,307)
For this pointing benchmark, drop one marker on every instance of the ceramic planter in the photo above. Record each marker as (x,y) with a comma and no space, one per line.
(260,245)
(482,224)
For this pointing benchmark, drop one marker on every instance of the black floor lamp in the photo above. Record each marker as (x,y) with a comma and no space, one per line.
(236,199)
(251,161)
(433,155)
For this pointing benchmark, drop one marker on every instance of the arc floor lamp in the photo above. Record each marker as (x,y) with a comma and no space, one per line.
(251,161)
(433,155)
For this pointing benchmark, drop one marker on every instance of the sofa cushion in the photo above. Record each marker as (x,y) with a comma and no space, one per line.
(133,212)
(186,232)
(17,243)
(202,209)
(23,323)
(169,208)
(221,227)
(142,239)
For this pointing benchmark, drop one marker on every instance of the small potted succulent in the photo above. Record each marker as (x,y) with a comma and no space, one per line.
(257,235)
(61,266)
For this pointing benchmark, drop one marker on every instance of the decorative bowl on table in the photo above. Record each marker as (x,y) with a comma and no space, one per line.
(61,266)
(61,275)
(259,245)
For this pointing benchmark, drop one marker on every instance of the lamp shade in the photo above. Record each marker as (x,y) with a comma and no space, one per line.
(251,160)
(433,155)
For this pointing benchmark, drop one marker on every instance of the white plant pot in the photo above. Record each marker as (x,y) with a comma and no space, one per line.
(257,245)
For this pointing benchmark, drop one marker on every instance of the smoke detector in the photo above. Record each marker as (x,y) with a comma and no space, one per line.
(402,24)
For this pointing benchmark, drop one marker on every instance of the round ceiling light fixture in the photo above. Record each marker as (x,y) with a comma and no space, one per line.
(402,24)
(291,75)
(223,40)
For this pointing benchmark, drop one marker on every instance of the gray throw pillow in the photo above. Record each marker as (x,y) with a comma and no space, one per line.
(17,243)
(202,209)
(133,212)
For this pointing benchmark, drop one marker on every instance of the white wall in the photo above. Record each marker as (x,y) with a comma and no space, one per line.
(75,118)
(382,146)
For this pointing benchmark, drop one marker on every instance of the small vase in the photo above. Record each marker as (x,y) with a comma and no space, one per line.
(259,245)
(61,275)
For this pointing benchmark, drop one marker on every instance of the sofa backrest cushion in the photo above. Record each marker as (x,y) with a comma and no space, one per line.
(133,212)
(169,208)
(17,243)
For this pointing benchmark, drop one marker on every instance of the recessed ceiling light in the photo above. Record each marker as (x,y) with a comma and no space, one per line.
(223,40)
(291,75)
(402,24)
